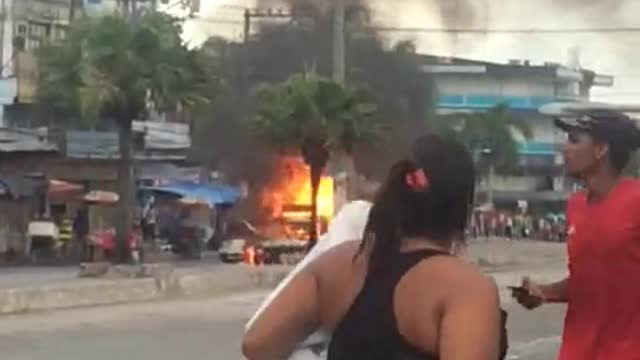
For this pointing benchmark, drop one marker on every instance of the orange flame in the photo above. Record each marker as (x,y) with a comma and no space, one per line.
(292,186)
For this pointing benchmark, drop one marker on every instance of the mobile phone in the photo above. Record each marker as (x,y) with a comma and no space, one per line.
(519,290)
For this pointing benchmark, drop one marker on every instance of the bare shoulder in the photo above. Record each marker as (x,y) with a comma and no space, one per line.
(457,276)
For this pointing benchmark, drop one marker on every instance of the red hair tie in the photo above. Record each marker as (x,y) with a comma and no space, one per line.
(418,180)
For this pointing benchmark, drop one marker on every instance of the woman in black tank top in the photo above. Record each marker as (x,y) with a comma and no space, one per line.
(399,294)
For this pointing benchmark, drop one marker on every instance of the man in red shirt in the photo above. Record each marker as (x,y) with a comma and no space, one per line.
(602,290)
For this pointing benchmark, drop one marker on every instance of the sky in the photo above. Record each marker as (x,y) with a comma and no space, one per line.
(606,53)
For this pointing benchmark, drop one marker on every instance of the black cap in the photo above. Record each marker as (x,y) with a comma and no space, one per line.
(607,125)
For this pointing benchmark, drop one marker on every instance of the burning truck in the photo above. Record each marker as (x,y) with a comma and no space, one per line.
(285,230)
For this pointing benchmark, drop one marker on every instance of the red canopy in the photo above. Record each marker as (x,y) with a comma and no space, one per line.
(102,197)
(59,187)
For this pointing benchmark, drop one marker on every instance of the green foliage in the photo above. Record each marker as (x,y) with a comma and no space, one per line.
(489,134)
(311,110)
(403,94)
(108,67)
(313,117)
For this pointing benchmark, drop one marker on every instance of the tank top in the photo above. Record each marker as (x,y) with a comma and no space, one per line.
(369,330)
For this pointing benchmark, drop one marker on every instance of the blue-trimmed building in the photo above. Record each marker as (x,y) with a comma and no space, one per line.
(465,86)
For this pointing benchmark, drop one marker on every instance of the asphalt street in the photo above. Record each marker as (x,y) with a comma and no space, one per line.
(196,330)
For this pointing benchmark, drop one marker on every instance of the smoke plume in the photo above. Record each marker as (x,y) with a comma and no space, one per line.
(608,53)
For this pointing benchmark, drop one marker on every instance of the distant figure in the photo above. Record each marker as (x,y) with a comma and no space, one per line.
(603,242)
(400,292)
(80,233)
(149,220)
(65,236)
(493,226)
(508,228)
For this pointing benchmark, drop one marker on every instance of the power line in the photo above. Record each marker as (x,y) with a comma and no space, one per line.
(525,31)
(505,30)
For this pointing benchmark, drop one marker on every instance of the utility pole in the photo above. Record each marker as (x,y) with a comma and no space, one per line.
(249,15)
(347,162)
(3,14)
(339,72)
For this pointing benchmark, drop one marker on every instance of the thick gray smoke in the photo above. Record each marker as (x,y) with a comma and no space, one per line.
(458,13)
(452,12)
(600,4)
(612,53)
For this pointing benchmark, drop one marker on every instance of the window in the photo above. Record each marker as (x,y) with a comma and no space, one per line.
(37,30)
(59,33)
(33,44)
(22,29)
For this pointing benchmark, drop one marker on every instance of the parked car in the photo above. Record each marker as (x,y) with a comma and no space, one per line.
(232,251)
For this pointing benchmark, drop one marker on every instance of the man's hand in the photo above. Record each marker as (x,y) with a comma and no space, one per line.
(530,295)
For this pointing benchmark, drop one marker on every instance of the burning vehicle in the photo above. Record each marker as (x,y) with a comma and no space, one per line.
(284,232)
(288,199)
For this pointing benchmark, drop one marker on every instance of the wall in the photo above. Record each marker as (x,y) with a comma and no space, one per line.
(511,183)
(42,9)
(485,84)
(8,92)
(7,38)
(24,163)
(55,167)
(14,219)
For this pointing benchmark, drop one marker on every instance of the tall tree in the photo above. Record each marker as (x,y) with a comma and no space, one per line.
(108,69)
(313,117)
(490,136)
(403,94)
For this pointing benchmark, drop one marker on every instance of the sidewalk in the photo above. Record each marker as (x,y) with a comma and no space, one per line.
(68,292)
(40,289)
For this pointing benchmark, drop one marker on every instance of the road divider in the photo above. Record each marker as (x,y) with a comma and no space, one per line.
(139,287)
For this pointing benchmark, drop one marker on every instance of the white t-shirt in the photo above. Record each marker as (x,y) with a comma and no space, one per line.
(348,225)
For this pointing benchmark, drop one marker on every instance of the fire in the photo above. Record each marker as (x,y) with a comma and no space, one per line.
(292,187)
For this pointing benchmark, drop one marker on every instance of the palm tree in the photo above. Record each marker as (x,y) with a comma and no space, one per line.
(107,69)
(313,117)
(490,136)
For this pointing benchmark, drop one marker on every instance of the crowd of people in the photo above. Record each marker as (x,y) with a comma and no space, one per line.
(501,224)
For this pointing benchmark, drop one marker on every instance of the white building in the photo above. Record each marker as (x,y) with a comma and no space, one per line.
(465,86)
(24,26)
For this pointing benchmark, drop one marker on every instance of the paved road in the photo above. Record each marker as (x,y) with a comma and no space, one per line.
(496,254)
(194,330)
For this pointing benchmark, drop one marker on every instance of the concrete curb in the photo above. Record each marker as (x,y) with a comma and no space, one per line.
(171,285)
(101,292)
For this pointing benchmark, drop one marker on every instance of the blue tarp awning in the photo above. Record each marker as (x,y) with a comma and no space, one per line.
(210,194)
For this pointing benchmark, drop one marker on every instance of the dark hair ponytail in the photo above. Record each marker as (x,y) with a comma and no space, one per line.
(440,210)
(384,228)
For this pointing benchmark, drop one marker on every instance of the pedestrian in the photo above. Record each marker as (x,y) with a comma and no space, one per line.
(65,237)
(400,292)
(509,227)
(493,226)
(82,248)
(603,228)
(149,220)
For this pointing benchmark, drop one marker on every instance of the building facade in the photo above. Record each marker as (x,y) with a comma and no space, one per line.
(467,86)
(25,26)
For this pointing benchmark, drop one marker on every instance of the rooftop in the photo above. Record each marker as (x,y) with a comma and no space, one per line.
(23,140)
(453,65)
